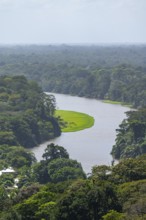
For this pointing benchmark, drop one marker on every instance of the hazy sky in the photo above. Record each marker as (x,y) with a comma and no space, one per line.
(72,21)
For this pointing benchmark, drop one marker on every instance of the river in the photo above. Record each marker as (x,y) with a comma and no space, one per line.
(91,146)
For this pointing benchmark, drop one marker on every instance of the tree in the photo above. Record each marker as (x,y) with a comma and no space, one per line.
(63,169)
(54,151)
(74,202)
(102,197)
(27,113)
(4,199)
(47,211)
(131,136)
(129,170)
(114,215)
(101,172)
(35,206)
(40,172)
(132,196)
(8,137)
(16,156)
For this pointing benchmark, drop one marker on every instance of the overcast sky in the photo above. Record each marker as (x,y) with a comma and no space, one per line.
(72,21)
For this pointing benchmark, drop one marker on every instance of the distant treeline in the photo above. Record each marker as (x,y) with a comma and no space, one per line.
(104,72)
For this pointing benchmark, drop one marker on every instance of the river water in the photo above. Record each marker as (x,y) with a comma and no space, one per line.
(91,146)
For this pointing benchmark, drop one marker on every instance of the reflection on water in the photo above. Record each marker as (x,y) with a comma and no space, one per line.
(90,146)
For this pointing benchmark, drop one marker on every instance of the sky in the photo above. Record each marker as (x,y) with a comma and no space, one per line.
(72,21)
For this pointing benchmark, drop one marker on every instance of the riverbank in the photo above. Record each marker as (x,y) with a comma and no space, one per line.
(89,146)
(117,103)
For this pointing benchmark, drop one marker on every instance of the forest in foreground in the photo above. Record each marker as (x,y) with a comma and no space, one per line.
(56,188)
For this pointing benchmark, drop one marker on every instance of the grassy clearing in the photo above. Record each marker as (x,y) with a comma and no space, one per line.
(117,103)
(74,121)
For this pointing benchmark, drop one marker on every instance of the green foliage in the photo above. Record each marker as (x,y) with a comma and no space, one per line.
(47,211)
(54,151)
(7,180)
(12,214)
(114,215)
(133,199)
(37,206)
(8,137)
(3,197)
(27,119)
(116,72)
(131,136)
(15,156)
(64,169)
(101,172)
(74,203)
(85,200)
(99,197)
(25,192)
(26,113)
(57,166)
(129,170)
(40,171)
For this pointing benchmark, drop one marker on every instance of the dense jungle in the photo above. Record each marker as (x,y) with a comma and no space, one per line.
(57,188)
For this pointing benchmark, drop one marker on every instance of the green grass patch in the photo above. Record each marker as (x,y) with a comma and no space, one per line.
(112,102)
(71,121)
(117,103)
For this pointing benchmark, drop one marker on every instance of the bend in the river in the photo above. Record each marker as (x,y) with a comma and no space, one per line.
(90,146)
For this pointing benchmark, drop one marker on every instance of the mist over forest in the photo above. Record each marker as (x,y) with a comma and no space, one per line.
(103,72)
